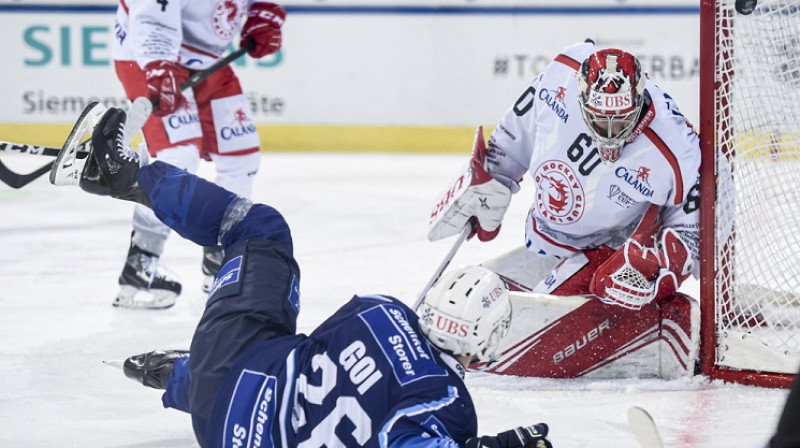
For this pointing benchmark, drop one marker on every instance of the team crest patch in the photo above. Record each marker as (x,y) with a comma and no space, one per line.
(559,194)
(226,18)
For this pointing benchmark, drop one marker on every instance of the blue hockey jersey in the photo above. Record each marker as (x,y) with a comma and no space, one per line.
(365,377)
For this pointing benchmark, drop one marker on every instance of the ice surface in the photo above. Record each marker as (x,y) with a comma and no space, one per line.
(359,223)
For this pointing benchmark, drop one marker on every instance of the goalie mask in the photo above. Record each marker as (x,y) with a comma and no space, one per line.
(611,96)
(467,313)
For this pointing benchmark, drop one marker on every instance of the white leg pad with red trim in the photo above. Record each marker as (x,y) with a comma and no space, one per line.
(570,337)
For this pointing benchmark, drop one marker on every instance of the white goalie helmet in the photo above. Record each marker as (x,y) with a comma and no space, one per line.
(611,98)
(468,312)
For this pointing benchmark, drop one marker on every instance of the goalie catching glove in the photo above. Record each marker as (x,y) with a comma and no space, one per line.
(533,436)
(637,275)
(474,194)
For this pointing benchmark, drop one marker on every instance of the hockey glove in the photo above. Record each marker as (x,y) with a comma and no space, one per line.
(533,436)
(637,275)
(263,28)
(164,79)
(475,196)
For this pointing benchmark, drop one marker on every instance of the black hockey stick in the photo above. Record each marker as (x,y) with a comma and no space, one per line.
(16,180)
(468,229)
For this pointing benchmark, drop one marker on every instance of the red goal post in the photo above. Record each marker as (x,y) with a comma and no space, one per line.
(750,192)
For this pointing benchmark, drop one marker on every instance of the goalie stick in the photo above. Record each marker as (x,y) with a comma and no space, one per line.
(644,428)
(77,143)
(468,229)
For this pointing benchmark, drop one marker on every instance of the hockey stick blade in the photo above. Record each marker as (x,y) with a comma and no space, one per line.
(644,428)
(16,180)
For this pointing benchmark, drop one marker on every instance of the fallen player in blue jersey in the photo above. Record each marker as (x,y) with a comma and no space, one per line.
(375,374)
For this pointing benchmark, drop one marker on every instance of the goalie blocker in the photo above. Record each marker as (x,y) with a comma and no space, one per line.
(473,195)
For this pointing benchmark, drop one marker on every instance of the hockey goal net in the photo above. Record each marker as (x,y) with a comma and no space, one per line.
(750,191)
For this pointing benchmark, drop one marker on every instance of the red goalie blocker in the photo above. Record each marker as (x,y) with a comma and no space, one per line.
(570,337)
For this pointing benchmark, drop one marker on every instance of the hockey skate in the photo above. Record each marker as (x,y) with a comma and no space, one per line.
(153,369)
(143,285)
(212,262)
(112,165)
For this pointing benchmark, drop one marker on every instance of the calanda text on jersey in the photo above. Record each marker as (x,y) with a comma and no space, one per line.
(581,202)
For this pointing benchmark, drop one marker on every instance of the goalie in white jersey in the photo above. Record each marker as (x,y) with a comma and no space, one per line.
(157,46)
(614,215)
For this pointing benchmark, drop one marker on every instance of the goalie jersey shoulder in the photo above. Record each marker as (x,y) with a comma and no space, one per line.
(675,141)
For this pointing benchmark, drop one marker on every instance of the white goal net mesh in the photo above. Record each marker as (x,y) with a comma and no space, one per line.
(758,186)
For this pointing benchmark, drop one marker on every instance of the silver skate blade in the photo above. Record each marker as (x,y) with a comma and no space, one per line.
(67,167)
(117,363)
(136,299)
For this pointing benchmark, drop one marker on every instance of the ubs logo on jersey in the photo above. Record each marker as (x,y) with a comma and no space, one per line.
(639,179)
(226,18)
(242,125)
(555,101)
(559,194)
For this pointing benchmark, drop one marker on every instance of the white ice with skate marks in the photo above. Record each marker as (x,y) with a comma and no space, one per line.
(359,224)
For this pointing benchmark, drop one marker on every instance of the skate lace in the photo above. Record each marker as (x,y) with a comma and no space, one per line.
(150,265)
(124,151)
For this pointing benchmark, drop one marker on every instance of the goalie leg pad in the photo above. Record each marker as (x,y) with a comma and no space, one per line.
(580,342)
(568,337)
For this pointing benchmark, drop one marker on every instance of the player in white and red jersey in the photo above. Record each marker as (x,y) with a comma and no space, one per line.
(614,215)
(158,45)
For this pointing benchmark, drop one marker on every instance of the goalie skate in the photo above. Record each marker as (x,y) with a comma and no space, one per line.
(143,285)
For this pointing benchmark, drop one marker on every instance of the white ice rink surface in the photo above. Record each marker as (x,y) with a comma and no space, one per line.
(359,225)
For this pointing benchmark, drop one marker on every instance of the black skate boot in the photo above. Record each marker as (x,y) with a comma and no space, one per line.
(154,368)
(143,285)
(112,166)
(212,262)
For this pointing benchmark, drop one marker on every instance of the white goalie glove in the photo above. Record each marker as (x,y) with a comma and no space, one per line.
(474,194)
(637,275)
